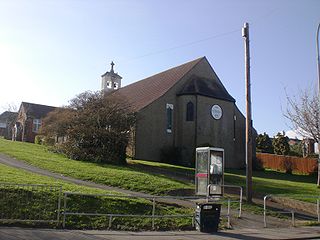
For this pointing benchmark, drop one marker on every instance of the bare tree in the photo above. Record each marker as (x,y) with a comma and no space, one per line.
(303,113)
(11,107)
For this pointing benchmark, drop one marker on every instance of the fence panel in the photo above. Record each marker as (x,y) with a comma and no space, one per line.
(288,163)
(29,203)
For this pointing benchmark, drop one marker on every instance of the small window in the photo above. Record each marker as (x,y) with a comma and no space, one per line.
(108,84)
(36,125)
(234,127)
(169,109)
(190,112)
(115,85)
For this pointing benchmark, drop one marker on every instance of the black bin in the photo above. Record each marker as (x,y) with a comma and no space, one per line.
(207,217)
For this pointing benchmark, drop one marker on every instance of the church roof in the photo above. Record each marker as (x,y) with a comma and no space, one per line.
(37,110)
(140,94)
(206,87)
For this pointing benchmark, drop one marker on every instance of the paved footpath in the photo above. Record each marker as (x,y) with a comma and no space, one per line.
(13,233)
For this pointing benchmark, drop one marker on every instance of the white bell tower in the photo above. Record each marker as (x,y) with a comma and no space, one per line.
(111,81)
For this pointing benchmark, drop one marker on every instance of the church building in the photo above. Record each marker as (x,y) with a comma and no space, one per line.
(182,108)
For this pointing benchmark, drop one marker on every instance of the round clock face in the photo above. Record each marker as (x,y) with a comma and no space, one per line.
(216,112)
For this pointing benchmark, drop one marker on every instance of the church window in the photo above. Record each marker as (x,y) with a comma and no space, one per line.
(36,125)
(169,109)
(190,112)
(234,127)
(115,85)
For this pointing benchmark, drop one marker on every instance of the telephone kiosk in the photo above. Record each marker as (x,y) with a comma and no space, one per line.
(209,183)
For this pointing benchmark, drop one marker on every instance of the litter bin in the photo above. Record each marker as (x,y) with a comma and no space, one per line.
(207,217)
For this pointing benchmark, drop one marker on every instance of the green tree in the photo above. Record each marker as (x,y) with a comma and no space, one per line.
(264,143)
(296,149)
(280,144)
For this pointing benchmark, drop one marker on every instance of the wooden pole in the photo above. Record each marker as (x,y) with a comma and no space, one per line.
(245,35)
(318,63)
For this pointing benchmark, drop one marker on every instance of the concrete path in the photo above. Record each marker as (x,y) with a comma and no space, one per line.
(13,233)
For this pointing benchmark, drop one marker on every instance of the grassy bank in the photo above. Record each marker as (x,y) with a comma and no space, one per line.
(153,177)
(119,176)
(34,203)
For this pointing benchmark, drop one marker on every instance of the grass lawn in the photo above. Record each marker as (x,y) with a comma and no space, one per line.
(138,174)
(264,182)
(271,182)
(125,177)
(30,203)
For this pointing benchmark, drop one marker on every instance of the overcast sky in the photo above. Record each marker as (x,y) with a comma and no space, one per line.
(52,50)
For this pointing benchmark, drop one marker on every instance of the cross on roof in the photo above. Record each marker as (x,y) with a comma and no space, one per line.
(112,64)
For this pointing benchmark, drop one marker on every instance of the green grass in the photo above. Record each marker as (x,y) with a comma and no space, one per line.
(20,202)
(154,177)
(264,182)
(271,182)
(125,177)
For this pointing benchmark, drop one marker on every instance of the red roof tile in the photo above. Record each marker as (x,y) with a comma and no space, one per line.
(140,94)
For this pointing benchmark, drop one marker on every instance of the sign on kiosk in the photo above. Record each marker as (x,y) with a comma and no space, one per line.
(209,171)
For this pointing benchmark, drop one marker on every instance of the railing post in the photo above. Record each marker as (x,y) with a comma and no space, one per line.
(229,225)
(265,210)
(193,220)
(64,210)
(110,221)
(240,204)
(153,211)
(318,209)
(59,205)
(292,217)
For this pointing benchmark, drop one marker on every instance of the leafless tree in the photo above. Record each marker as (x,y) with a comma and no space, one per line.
(11,107)
(303,113)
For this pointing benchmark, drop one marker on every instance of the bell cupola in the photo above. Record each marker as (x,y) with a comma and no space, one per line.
(111,81)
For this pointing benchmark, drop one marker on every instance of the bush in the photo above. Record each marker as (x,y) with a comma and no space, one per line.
(97,128)
(280,144)
(48,141)
(38,139)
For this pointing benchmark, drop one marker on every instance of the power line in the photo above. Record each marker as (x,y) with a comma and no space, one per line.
(182,45)
(256,22)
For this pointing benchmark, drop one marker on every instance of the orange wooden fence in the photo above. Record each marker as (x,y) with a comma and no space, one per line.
(287,163)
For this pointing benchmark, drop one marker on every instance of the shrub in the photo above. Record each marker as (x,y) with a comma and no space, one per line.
(97,127)
(38,139)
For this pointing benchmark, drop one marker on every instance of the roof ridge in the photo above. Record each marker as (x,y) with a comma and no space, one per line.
(38,104)
(168,70)
(145,91)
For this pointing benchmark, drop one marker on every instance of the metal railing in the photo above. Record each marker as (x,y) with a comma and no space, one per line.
(153,215)
(30,203)
(293,222)
(240,196)
(42,203)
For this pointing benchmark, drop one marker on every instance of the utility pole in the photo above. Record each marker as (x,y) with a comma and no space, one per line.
(318,62)
(245,35)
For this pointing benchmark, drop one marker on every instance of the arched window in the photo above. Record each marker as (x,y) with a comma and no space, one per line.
(190,112)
